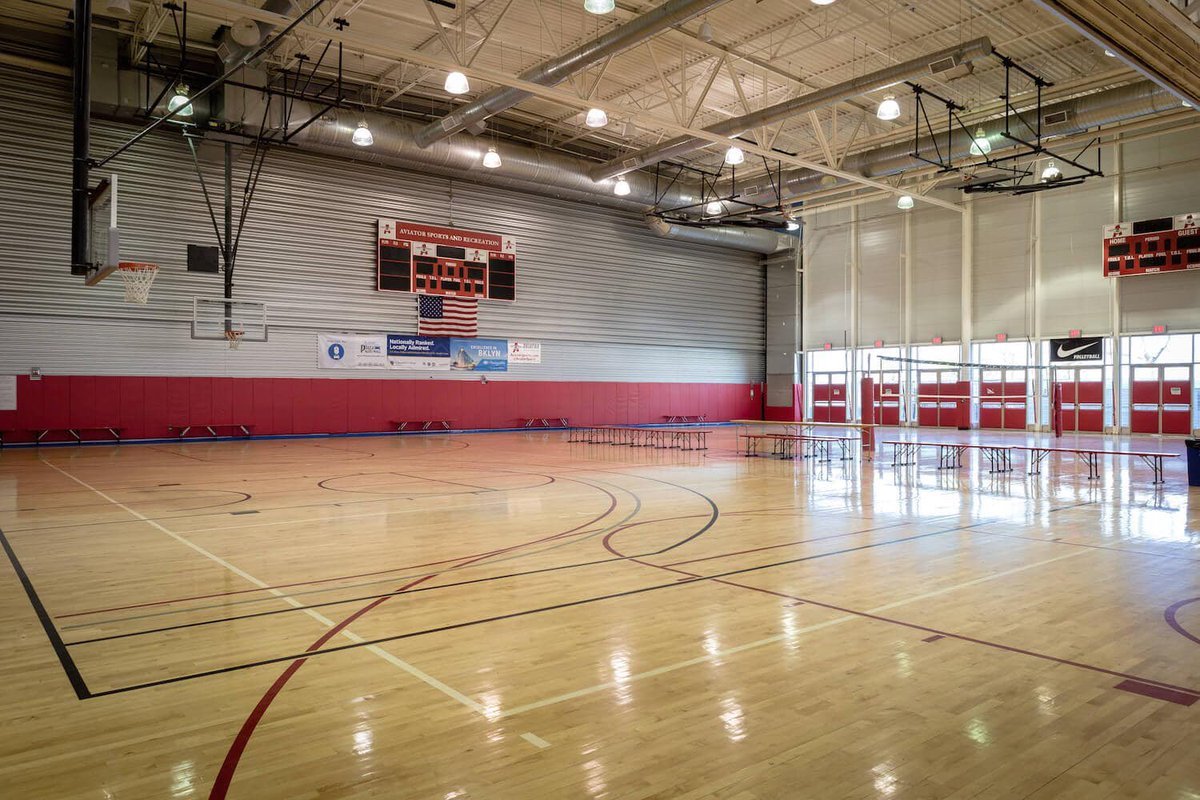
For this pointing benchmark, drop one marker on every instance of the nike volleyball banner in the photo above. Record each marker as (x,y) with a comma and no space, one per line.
(1083,349)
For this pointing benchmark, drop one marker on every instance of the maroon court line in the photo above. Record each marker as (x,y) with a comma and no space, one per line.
(1170,616)
(1146,682)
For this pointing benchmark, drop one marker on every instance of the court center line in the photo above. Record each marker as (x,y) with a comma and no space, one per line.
(775,638)
(424,677)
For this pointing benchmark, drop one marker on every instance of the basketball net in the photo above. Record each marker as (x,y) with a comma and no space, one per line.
(138,278)
(234,338)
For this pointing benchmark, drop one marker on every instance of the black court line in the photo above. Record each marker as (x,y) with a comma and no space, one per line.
(501,617)
(60,649)
(455,584)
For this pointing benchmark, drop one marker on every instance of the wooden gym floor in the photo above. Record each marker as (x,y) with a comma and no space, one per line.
(511,616)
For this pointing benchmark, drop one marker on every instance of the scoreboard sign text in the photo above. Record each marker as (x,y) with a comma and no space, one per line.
(1166,244)
(424,259)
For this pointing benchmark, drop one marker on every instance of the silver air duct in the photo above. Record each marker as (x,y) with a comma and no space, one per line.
(1068,117)
(932,64)
(755,240)
(557,70)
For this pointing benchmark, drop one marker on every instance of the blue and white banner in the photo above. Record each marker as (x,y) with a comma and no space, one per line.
(479,355)
(351,351)
(424,353)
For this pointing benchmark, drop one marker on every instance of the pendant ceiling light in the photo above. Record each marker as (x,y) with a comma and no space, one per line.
(905,202)
(621,187)
(457,83)
(362,135)
(713,208)
(734,156)
(491,159)
(599,6)
(980,146)
(1051,173)
(180,101)
(889,109)
(596,118)
(823,2)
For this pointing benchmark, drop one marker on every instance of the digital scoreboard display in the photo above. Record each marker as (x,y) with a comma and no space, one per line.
(1166,244)
(424,259)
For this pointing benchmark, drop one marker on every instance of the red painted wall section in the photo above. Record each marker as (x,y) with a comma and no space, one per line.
(145,407)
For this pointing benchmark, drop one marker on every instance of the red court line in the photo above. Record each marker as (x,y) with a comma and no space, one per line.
(1170,616)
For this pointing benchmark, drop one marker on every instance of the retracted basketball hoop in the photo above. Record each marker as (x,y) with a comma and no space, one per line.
(138,278)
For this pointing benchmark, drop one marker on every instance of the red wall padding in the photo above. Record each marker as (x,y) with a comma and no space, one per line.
(146,406)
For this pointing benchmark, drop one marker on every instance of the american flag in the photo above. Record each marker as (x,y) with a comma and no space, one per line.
(446,316)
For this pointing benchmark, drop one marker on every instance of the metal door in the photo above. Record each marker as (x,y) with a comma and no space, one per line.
(829,396)
(1003,402)
(938,396)
(1082,398)
(1161,399)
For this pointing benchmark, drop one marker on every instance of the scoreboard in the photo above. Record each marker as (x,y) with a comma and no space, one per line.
(1166,244)
(424,259)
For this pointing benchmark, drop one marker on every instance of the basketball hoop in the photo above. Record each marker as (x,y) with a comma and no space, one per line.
(138,278)
(234,338)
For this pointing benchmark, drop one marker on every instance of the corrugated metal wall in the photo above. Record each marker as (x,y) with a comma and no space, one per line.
(880,277)
(827,278)
(608,299)
(936,273)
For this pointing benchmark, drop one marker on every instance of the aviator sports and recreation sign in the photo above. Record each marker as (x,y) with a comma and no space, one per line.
(1077,350)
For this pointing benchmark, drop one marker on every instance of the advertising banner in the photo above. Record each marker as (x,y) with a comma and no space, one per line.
(350,351)
(1082,349)
(426,353)
(479,355)
(524,352)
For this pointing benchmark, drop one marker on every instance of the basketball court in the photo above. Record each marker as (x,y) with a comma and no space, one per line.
(549,399)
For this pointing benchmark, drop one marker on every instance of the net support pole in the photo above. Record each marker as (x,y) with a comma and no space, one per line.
(866,397)
(1056,410)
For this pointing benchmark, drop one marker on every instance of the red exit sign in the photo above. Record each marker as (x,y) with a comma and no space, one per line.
(1075,333)
(937,340)
(879,342)
(1001,337)
(1159,329)
(829,345)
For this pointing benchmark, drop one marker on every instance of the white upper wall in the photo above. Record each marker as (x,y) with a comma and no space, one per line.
(1161,177)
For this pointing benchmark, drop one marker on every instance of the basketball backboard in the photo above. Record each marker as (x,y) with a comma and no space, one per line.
(247,318)
(104,237)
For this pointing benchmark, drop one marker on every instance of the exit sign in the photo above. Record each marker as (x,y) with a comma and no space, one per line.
(1159,329)
(937,340)
(879,342)
(1075,333)
(829,345)
(1001,337)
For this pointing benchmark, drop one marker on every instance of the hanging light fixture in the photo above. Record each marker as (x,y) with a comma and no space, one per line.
(713,208)
(1051,173)
(457,83)
(491,159)
(621,187)
(180,101)
(705,33)
(905,202)
(117,6)
(1109,53)
(792,225)
(889,109)
(980,146)
(596,118)
(1187,104)
(823,2)
(599,6)
(734,156)
(362,135)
